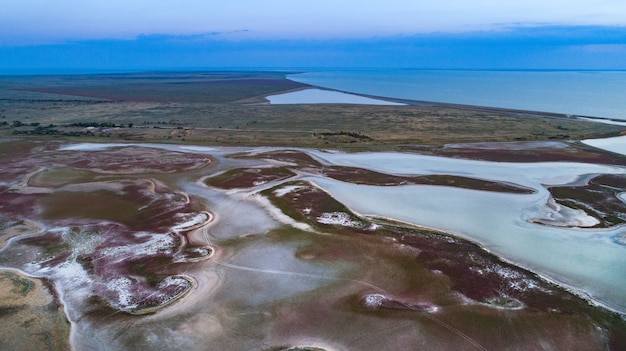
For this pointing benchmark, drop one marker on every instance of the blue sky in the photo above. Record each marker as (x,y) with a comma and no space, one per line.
(114,34)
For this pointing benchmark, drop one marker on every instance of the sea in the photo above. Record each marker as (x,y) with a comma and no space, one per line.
(587,93)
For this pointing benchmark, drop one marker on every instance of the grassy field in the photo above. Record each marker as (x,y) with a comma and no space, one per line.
(228,108)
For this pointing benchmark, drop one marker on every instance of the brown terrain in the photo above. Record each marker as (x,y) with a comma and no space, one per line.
(137,247)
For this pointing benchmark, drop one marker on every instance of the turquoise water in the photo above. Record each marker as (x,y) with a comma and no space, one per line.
(583,93)
(587,260)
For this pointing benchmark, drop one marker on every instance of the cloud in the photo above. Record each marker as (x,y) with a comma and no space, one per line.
(520,47)
(192,37)
(44,21)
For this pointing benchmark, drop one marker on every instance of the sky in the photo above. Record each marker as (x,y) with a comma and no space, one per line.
(119,34)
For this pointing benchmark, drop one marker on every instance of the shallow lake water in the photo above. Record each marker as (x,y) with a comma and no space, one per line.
(589,261)
(615,144)
(319,96)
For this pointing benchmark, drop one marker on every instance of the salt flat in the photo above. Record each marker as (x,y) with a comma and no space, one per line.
(500,222)
(245,247)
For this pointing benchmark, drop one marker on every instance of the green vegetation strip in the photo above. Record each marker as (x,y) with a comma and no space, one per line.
(229,108)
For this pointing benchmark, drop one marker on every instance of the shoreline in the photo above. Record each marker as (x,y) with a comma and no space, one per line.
(204,116)
(578,292)
(210,260)
(325,96)
(567,287)
(481,90)
(475,108)
(207,277)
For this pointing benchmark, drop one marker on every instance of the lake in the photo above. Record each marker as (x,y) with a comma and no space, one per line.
(589,261)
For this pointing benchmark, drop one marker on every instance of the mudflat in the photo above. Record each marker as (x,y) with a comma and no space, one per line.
(224,240)
(129,220)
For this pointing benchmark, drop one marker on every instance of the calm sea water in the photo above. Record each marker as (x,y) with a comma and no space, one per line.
(583,93)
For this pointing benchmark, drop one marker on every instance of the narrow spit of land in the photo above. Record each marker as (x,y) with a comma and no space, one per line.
(230,108)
